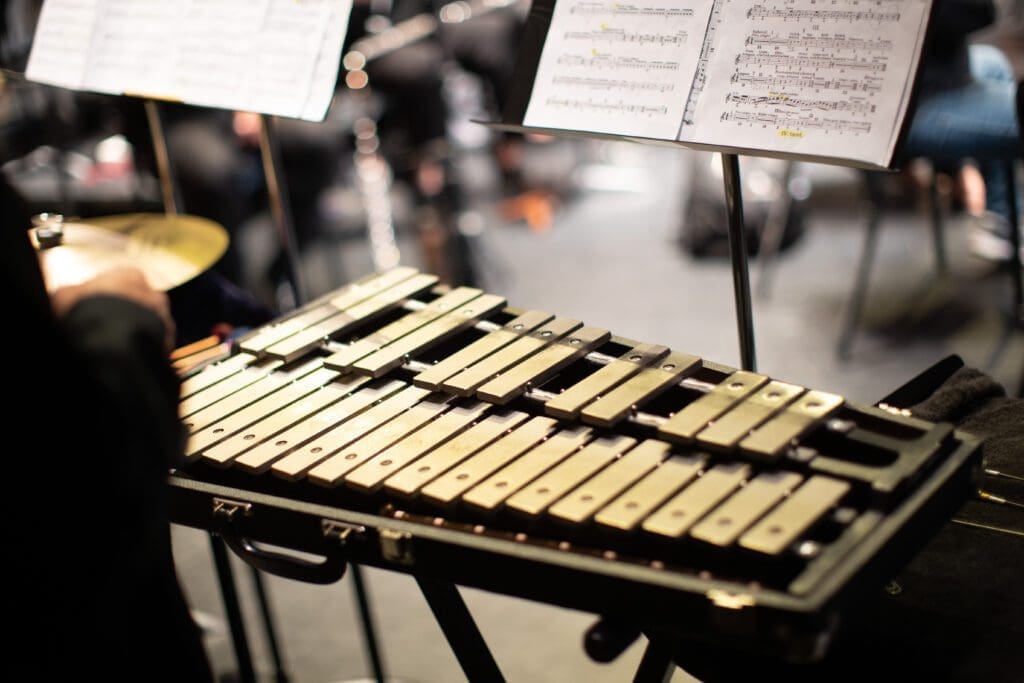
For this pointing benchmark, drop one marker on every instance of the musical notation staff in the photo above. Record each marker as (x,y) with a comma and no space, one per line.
(853,106)
(616,107)
(831,41)
(599,61)
(612,84)
(806,81)
(809,62)
(618,35)
(795,125)
(617,9)
(816,15)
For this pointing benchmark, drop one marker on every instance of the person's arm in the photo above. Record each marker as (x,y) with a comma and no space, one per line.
(120,329)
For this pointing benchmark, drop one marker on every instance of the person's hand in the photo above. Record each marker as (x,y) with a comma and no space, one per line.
(124,282)
(247,126)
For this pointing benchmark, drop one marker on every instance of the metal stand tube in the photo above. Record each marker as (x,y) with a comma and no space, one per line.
(168,188)
(366,617)
(277,191)
(280,675)
(738,253)
(657,665)
(229,594)
(460,630)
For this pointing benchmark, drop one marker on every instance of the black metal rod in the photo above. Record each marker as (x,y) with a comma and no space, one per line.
(168,188)
(860,288)
(460,630)
(657,665)
(268,626)
(740,268)
(229,594)
(1016,269)
(277,191)
(366,618)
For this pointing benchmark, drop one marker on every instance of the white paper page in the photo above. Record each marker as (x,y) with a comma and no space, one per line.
(271,56)
(618,67)
(60,49)
(808,77)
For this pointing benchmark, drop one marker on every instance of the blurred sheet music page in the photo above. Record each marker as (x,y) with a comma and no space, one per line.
(271,56)
(808,77)
(618,67)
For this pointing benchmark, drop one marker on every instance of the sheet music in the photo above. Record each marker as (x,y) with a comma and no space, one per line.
(271,56)
(809,77)
(618,67)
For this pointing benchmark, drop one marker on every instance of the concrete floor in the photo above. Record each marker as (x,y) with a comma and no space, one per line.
(611,259)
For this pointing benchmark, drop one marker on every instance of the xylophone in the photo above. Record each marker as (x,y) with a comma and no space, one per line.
(403,424)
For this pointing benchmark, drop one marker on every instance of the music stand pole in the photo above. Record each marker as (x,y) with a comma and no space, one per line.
(740,267)
(277,191)
(168,188)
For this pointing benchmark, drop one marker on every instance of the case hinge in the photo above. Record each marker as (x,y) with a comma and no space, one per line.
(341,532)
(229,509)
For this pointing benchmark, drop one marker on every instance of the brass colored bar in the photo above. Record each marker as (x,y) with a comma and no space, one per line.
(796,514)
(449,486)
(568,404)
(481,348)
(416,475)
(207,377)
(674,518)
(276,332)
(493,491)
(626,511)
(696,416)
(534,370)
(568,474)
(294,465)
(260,458)
(469,380)
(730,519)
(347,297)
(258,432)
(311,337)
(238,400)
(731,428)
(394,355)
(224,388)
(772,438)
(581,504)
(644,386)
(331,471)
(286,395)
(371,475)
(371,286)
(343,359)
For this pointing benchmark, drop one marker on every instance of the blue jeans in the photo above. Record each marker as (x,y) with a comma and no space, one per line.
(977,121)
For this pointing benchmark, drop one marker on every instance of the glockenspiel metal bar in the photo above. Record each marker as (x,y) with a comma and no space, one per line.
(261,457)
(568,404)
(729,429)
(371,475)
(784,525)
(627,511)
(433,377)
(644,386)
(730,519)
(682,511)
(225,387)
(212,374)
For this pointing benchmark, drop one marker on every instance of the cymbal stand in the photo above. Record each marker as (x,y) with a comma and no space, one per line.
(225,575)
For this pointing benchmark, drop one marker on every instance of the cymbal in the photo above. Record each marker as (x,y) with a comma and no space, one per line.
(170,250)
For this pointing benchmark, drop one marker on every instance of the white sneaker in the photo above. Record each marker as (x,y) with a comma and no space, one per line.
(988,238)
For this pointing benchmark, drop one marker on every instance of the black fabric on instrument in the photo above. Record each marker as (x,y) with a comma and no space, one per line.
(91,427)
(956,612)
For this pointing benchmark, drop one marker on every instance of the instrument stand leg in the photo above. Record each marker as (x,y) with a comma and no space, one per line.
(369,634)
(460,630)
(657,665)
(774,231)
(738,253)
(280,675)
(867,257)
(229,593)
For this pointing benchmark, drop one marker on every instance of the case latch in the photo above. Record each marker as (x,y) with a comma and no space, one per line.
(396,546)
